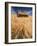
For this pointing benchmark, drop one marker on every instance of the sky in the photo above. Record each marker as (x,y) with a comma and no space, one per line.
(27,10)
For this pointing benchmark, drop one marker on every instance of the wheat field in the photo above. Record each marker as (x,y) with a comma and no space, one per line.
(21,27)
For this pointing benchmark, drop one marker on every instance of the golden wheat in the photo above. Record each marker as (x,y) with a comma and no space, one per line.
(21,27)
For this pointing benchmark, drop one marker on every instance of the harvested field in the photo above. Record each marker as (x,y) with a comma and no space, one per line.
(21,27)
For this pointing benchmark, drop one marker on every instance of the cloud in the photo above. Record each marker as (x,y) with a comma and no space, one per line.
(29,12)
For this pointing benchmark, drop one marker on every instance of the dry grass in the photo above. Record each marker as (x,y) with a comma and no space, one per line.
(21,27)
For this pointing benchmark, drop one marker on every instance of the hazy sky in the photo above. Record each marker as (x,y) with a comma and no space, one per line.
(27,10)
